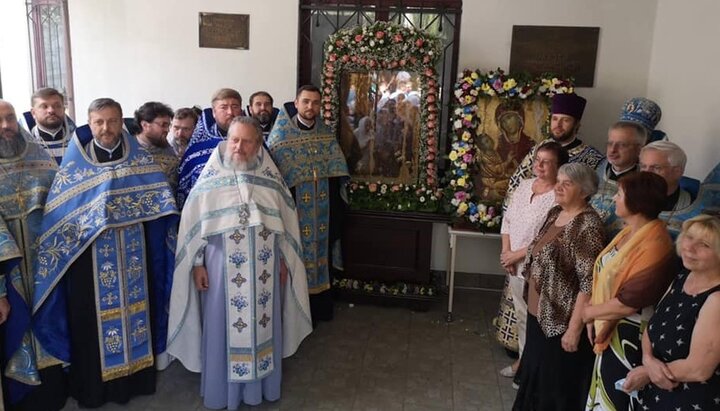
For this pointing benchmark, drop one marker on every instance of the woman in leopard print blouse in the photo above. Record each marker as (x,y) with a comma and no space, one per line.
(556,366)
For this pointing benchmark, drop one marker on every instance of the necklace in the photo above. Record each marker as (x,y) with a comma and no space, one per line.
(244,210)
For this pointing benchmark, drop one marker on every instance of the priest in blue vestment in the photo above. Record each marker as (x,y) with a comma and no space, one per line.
(239,299)
(47,122)
(105,259)
(26,172)
(210,130)
(313,166)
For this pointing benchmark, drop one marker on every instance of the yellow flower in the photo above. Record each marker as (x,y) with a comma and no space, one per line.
(462,208)
(461,183)
(465,136)
(509,84)
(467,80)
(453,155)
(485,87)
(468,99)
(474,75)
(468,117)
(461,151)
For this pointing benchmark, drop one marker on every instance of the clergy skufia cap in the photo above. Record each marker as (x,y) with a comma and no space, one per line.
(569,104)
(641,111)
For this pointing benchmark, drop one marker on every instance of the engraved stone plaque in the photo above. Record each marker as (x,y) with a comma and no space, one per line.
(565,51)
(225,31)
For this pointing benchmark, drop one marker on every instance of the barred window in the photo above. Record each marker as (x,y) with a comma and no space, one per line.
(50,46)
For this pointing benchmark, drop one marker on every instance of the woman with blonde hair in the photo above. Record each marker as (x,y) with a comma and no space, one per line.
(681,345)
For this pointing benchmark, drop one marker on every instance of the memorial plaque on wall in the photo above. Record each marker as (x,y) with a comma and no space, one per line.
(565,51)
(225,31)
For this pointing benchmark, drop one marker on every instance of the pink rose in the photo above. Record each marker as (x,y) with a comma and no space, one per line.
(358,38)
(354,58)
(394,64)
(431,141)
(431,98)
(402,62)
(332,57)
(413,60)
(431,124)
(431,83)
(431,149)
(345,58)
(328,106)
(431,117)
(426,59)
(419,42)
(432,108)
(373,63)
(430,157)
(339,43)
(398,38)
(429,72)
(379,35)
(395,188)
(327,90)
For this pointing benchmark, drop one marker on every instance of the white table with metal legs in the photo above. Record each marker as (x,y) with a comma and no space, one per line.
(453,235)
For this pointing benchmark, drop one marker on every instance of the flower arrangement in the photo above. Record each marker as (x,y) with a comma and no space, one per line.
(394,197)
(387,46)
(389,289)
(462,202)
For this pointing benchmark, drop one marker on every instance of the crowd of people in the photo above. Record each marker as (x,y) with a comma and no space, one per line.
(604,311)
(206,236)
(210,237)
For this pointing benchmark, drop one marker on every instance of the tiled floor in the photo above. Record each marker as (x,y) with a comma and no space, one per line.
(377,358)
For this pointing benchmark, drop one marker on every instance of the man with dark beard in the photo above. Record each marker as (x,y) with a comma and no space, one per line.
(154,120)
(567,110)
(312,164)
(105,261)
(261,107)
(239,299)
(26,172)
(48,123)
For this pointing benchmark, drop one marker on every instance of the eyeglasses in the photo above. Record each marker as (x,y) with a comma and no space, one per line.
(162,124)
(544,162)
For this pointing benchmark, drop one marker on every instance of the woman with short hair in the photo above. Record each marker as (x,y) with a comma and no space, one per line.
(630,276)
(527,209)
(681,345)
(556,365)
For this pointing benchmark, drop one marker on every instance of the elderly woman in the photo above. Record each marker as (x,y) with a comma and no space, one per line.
(630,276)
(527,209)
(681,345)
(556,365)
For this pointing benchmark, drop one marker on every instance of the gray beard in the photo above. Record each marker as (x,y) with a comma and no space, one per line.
(240,165)
(12,147)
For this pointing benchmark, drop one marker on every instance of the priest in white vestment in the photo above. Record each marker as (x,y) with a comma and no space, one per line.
(239,301)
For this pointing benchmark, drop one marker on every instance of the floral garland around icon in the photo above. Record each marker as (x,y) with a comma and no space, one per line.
(387,46)
(462,202)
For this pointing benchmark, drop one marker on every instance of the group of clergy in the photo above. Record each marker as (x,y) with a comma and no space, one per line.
(206,236)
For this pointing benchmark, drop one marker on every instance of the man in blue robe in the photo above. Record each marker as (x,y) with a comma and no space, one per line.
(26,171)
(211,129)
(105,259)
(313,166)
(261,108)
(239,299)
(47,122)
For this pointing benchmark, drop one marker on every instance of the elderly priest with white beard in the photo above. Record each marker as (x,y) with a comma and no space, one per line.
(239,301)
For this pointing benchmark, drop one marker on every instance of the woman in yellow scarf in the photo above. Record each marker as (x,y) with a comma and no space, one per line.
(630,276)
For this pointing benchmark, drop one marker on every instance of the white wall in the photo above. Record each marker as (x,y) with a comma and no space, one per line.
(137,50)
(684,76)
(15,54)
(626,35)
